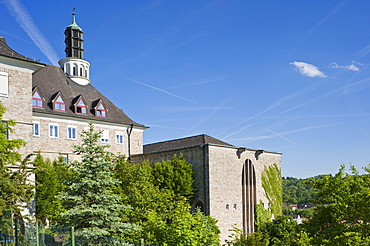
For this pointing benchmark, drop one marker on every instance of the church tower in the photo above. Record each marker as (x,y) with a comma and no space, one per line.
(74,64)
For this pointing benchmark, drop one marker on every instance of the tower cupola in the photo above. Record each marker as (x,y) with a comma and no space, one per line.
(74,40)
(74,64)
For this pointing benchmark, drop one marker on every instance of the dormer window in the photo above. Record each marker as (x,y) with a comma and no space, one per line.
(100,110)
(37,100)
(59,104)
(80,107)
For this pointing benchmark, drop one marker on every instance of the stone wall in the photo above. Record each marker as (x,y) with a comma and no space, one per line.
(218,179)
(225,183)
(18,103)
(52,147)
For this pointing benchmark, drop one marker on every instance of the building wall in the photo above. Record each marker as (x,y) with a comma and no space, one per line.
(225,183)
(18,103)
(18,106)
(218,179)
(52,147)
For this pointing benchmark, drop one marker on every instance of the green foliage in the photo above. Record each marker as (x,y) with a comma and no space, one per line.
(297,191)
(175,175)
(271,183)
(49,182)
(262,216)
(341,211)
(91,207)
(304,213)
(15,191)
(284,231)
(161,207)
(238,238)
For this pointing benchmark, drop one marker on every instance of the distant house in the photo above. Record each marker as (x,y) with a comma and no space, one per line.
(296,217)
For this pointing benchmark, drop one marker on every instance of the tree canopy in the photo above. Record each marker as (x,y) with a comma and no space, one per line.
(91,207)
(16,190)
(297,191)
(341,211)
(159,198)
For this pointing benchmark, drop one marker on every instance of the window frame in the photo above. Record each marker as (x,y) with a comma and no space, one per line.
(34,132)
(119,138)
(54,130)
(37,100)
(77,106)
(105,136)
(100,112)
(73,134)
(59,104)
(4,84)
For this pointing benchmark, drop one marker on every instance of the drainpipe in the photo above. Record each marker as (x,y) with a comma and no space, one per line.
(129,131)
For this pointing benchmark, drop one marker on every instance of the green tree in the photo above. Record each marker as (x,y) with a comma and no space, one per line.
(271,183)
(160,208)
(50,176)
(341,211)
(91,207)
(176,175)
(16,191)
(297,191)
(284,231)
(238,238)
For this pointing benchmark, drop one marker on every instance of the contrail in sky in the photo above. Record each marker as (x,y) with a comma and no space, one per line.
(220,106)
(24,19)
(328,16)
(158,89)
(281,136)
(281,133)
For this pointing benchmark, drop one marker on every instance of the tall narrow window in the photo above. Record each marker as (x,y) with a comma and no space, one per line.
(100,110)
(80,107)
(37,101)
(54,131)
(248,196)
(68,69)
(75,69)
(36,129)
(119,137)
(71,132)
(59,104)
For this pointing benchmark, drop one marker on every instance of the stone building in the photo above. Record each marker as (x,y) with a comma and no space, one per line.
(227,178)
(53,105)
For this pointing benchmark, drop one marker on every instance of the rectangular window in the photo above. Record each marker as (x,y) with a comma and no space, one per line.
(119,137)
(105,136)
(54,131)
(4,81)
(36,129)
(65,157)
(71,132)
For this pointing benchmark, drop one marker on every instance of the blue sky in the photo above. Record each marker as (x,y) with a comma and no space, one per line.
(285,76)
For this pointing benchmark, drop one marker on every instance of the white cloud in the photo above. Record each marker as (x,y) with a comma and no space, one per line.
(351,67)
(308,69)
(25,20)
